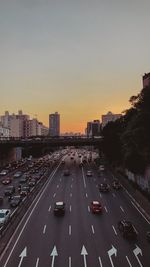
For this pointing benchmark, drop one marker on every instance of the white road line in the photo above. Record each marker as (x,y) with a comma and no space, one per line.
(128,261)
(97,185)
(114,195)
(72,179)
(70,208)
(105,209)
(93,229)
(140,212)
(54,195)
(58,186)
(44,229)
(138,206)
(88,209)
(60,179)
(70,194)
(86,195)
(71,185)
(37,262)
(69,229)
(94,180)
(122,208)
(83,177)
(100,195)
(100,262)
(49,208)
(69,261)
(114,230)
(34,204)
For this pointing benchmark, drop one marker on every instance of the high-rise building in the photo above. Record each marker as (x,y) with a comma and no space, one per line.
(54,124)
(93,128)
(146,80)
(109,117)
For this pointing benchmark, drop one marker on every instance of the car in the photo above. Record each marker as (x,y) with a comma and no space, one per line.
(104,187)
(66,172)
(17,174)
(63,161)
(101,168)
(6,181)
(96,207)
(89,173)
(4,172)
(116,185)
(4,216)
(59,208)
(148,236)
(32,182)
(23,179)
(127,229)
(15,201)
(9,190)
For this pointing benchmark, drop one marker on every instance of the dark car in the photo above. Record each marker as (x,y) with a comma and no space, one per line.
(32,182)
(66,172)
(59,208)
(127,229)
(96,207)
(23,179)
(104,187)
(24,190)
(116,185)
(9,190)
(15,201)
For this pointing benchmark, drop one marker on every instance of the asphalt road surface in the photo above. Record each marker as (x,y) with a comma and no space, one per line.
(79,238)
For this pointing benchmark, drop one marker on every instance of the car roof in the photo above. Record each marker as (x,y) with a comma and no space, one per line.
(60,203)
(95,202)
(4,210)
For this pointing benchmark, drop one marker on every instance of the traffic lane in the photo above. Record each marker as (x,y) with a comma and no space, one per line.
(114,211)
(34,210)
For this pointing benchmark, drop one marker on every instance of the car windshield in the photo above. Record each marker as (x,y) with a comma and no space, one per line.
(2,215)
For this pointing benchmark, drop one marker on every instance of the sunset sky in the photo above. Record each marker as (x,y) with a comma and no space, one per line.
(81,58)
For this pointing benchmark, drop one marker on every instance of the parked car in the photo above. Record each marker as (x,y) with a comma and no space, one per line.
(127,229)
(6,181)
(24,191)
(4,172)
(4,216)
(96,207)
(15,201)
(59,208)
(32,182)
(101,168)
(9,190)
(17,174)
(104,187)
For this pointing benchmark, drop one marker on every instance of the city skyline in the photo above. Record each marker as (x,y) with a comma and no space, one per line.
(80,58)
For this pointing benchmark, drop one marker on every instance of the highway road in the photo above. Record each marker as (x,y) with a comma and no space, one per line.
(79,238)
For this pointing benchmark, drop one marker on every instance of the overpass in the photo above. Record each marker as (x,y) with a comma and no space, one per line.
(49,142)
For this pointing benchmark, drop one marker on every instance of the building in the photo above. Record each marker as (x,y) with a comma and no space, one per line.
(109,117)
(93,128)
(146,80)
(4,132)
(54,124)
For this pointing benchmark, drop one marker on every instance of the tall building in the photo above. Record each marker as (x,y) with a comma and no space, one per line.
(109,117)
(93,128)
(54,124)
(146,80)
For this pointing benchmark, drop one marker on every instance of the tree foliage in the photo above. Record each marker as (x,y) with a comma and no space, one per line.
(127,140)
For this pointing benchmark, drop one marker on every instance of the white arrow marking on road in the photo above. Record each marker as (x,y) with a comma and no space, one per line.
(53,255)
(105,209)
(137,251)
(122,209)
(114,230)
(100,262)
(22,255)
(111,252)
(128,261)
(84,253)
(69,261)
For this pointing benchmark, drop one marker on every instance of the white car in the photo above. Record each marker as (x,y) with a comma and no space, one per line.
(3,172)
(4,216)
(89,173)
(101,168)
